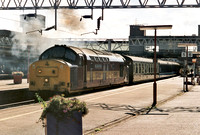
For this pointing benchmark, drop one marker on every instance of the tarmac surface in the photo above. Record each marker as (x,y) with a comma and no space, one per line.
(121,111)
(180,116)
(9,85)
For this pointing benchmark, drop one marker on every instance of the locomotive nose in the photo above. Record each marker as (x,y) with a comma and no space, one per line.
(49,77)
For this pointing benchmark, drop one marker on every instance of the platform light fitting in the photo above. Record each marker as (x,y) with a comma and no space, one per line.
(86,17)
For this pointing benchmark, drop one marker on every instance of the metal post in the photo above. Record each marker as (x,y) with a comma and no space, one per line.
(154,84)
(36,8)
(55,6)
(186,68)
(155,27)
(109,45)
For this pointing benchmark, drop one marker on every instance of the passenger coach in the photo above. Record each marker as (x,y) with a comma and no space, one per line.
(140,69)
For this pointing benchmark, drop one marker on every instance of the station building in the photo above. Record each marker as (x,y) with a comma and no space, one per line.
(167,46)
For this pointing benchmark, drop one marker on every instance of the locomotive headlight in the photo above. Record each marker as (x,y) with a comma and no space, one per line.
(40,71)
(46,80)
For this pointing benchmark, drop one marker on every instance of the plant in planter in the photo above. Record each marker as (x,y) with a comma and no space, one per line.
(63,115)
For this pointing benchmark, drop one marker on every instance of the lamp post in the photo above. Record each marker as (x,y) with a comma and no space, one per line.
(155,28)
(186,45)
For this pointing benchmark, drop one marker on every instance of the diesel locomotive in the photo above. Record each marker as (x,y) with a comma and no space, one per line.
(71,69)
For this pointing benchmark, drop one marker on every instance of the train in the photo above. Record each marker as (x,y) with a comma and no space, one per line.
(69,69)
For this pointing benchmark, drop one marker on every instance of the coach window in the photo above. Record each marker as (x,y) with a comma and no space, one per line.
(157,68)
(134,68)
(147,68)
(96,59)
(141,65)
(107,59)
(137,68)
(143,68)
(101,59)
(140,68)
(92,58)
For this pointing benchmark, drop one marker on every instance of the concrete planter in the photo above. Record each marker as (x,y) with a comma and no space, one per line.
(17,78)
(66,126)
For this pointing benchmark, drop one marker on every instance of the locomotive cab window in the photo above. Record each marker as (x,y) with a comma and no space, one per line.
(59,52)
(70,55)
(56,52)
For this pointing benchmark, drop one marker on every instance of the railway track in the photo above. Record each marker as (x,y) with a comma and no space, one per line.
(3,106)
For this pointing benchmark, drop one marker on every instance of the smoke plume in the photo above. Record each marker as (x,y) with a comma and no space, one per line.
(71,20)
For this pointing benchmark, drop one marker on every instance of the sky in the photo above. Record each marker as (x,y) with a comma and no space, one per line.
(116,22)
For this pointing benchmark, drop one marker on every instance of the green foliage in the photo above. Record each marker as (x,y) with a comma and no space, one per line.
(40,100)
(97,129)
(61,107)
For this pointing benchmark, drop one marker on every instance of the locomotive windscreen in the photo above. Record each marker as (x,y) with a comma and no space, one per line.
(59,52)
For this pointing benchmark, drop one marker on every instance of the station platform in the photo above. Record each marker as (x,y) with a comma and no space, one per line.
(9,85)
(178,116)
(122,111)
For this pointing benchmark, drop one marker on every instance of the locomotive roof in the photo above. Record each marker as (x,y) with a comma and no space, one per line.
(97,53)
